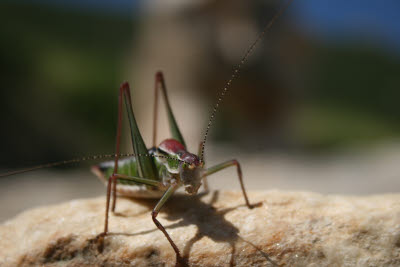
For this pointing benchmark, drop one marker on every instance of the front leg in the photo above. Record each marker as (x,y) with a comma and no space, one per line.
(154,214)
(113,181)
(227,164)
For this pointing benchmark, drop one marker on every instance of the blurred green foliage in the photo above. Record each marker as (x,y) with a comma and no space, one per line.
(60,72)
(352,99)
(61,68)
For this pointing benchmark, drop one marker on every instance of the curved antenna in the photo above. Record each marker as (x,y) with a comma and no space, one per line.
(63,162)
(92,157)
(236,71)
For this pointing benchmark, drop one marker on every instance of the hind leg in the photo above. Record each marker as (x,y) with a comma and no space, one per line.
(173,126)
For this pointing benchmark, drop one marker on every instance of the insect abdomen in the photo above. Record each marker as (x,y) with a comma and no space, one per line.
(127,166)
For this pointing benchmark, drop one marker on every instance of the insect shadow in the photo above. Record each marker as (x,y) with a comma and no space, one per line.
(210,223)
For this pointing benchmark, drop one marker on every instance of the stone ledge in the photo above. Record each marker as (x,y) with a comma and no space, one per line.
(288,229)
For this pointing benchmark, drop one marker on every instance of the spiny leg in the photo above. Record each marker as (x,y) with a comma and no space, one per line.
(113,180)
(146,167)
(138,180)
(117,152)
(173,126)
(227,164)
(154,214)
(155,112)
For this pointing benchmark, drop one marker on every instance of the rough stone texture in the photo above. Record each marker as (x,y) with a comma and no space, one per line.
(287,229)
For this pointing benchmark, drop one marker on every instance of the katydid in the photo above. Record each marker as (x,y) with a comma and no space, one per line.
(159,171)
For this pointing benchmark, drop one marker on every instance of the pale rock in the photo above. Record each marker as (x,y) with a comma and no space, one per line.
(287,229)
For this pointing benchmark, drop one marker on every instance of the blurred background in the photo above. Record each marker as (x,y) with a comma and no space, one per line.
(315,107)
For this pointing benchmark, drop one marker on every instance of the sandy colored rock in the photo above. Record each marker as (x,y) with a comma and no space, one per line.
(287,229)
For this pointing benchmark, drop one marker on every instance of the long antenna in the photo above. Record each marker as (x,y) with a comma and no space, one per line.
(87,158)
(63,162)
(236,71)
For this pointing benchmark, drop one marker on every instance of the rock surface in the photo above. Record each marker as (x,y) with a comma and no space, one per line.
(287,229)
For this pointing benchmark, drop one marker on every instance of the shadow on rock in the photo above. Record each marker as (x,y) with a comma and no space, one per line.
(211,223)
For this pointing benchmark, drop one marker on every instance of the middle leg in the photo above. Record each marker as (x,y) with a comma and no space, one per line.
(154,214)
(227,164)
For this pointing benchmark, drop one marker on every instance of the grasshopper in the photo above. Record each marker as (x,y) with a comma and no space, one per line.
(159,171)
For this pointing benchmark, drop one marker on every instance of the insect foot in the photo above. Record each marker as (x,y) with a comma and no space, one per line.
(289,229)
(255,205)
(99,242)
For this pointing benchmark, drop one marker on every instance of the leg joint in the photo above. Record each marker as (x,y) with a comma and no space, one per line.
(159,75)
(154,214)
(124,86)
(237,164)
